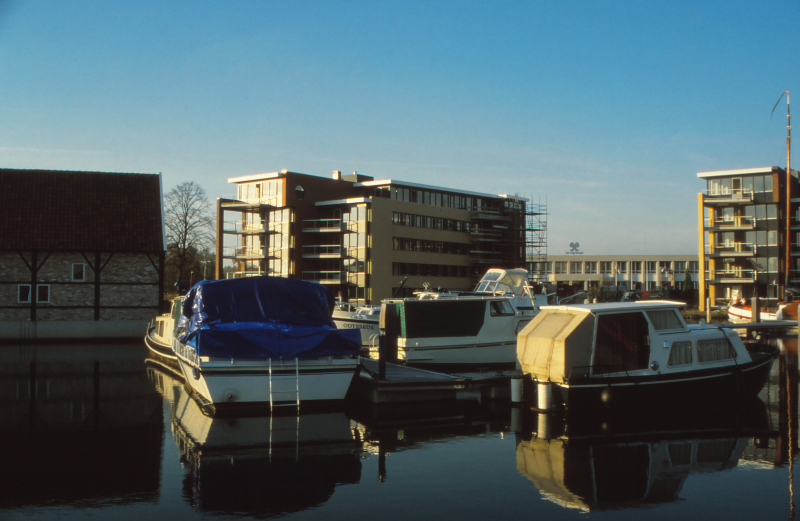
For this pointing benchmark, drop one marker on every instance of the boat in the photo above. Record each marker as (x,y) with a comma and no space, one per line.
(643,353)
(741,312)
(159,338)
(447,330)
(264,340)
(363,318)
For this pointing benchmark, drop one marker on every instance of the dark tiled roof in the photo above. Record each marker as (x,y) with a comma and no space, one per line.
(80,211)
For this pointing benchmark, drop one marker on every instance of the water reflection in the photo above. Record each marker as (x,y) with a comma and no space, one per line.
(259,466)
(66,411)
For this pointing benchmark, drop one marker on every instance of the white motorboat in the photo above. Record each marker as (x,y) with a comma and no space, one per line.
(364,318)
(160,332)
(467,330)
(264,340)
(642,352)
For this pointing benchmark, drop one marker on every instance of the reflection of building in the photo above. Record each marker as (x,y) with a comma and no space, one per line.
(361,237)
(743,231)
(81,253)
(645,272)
(81,425)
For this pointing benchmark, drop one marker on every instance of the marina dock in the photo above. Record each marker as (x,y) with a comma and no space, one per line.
(409,384)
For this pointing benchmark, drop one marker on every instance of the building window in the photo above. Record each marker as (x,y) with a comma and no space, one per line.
(575,267)
(622,267)
(636,267)
(79,273)
(651,266)
(24,293)
(693,266)
(680,266)
(559,267)
(591,267)
(606,267)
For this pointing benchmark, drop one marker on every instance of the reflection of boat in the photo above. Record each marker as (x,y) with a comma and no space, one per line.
(159,337)
(638,461)
(261,466)
(478,328)
(636,352)
(264,340)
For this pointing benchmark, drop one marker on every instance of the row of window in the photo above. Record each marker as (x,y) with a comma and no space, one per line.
(736,185)
(432,270)
(24,293)
(611,267)
(402,243)
(412,195)
(424,221)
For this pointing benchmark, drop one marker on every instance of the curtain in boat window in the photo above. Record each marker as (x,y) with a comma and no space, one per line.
(621,343)
(680,354)
(665,319)
(714,350)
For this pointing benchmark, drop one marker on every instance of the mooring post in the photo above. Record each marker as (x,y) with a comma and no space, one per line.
(708,311)
(755,311)
(387,342)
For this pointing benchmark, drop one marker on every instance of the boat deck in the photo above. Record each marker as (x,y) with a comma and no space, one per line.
(410,384)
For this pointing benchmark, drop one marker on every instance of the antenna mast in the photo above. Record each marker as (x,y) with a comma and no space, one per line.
(788,192)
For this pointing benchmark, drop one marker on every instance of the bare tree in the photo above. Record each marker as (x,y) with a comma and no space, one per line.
(190,226)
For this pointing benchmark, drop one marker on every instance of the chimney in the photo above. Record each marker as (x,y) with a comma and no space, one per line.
(337,174)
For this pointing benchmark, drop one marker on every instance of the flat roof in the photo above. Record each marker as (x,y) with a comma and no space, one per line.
(743,171)
(396,182)
(257,177)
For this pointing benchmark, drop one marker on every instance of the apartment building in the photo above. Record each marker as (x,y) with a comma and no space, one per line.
(646,272)
(363,237)
(745,217)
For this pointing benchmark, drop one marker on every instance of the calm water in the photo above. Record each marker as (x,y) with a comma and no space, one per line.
(95,432)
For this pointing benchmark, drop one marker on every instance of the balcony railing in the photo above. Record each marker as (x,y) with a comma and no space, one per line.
(740,194)
(322,225)
(323,277)
(241,274)
(322,252)
(242,252)
(242,227)
(733,248)
(731,276)
(738,222)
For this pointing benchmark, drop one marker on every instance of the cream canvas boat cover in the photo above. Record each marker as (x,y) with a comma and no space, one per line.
(555,342)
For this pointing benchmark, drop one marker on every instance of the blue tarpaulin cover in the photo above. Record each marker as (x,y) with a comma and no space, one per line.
(263,317)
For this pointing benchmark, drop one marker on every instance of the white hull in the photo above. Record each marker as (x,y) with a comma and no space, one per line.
(223,381)
(745,314)
(496,353)
(369,328)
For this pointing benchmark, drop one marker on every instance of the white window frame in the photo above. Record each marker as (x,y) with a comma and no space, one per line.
(48,293)
(84,272)
(19,287)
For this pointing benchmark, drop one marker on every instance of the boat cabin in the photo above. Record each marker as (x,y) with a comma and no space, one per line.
(628,339)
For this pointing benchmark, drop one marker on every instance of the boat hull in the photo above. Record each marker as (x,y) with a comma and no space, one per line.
(157,347)
(495,355)
(671,390)
(223,383)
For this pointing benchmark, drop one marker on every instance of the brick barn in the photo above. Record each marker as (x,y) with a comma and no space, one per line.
(81,254)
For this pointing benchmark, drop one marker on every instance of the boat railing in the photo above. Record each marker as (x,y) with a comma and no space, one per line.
(591,370)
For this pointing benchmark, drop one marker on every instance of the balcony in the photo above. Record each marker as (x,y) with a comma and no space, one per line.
(242,274)
(738,196)
(323,277)
(244,228)
(323,225)
(731,276)
(732,249)
(322,251)
(245,253)
(739,222)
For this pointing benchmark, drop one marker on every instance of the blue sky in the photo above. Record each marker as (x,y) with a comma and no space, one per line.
(606,110)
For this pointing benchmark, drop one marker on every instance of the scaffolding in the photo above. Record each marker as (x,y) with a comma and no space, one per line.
(536,239)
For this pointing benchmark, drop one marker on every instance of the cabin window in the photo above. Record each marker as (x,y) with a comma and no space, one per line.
(24,293)
(714,350)
(680,354)
(501,308)
(665,319)
(621,343)
(78,272)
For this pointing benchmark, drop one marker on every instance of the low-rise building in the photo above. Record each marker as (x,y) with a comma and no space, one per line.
(81,254)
